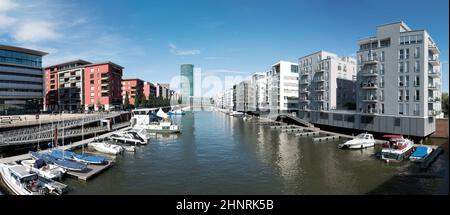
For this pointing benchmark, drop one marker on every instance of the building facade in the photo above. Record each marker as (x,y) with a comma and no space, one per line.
(64,86)
(149,90)
(134,89)
(318,82)
(259,102)
(186,82)
(21,80)
(103,86)
(244,96)
(282,85)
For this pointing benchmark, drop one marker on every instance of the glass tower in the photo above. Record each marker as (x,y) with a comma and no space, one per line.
(186,82)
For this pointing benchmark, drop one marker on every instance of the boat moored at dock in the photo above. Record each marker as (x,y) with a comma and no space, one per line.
(43,169)
(107,148)
(128,137)
(364,140)
(420,154)
(397,148)
(68,155)
(66,164)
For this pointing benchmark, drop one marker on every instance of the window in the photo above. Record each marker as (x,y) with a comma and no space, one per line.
(400,67)
(417,109)
(417,95)
(401,54)
(92,70)
(406,81)
(406,53)
(382,108)
(406,109)
(417,66)
(339,67)
(382,82)
(406,95)
(382,95)
(417,81)
(400,95)
(400,108)
(397,122)
(417,52)
(382,69)
(91,76)
(382,56)
(406,66)
(400,81)
(419,38)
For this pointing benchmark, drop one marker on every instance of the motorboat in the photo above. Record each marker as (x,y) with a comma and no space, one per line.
(20,181)
(153,123)
(128,137)
(236,114)
(361,141)
(163,127)
(43,169)
(69,155)
(420,154)
(177,112)
(397,148)
(66,164)
(106,148)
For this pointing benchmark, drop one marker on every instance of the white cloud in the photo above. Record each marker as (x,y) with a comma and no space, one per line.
(6,21)
(6,5)
(174,50)
(36,31)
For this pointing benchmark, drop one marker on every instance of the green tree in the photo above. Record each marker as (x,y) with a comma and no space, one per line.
(126,103)
(445,104)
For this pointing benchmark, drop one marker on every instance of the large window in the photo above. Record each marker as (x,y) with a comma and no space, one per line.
(417,52)
(400,108)
(13,57)
(417,66)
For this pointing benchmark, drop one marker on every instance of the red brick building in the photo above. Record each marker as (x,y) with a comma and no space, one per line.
(103,85)
(134,88)
(149,89)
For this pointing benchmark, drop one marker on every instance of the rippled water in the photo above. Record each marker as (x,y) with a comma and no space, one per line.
(218,154)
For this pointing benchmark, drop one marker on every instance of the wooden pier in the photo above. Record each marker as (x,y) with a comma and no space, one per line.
(284,126)
(326,138)
(92,171)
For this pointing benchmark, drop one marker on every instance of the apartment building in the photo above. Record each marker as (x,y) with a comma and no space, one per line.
(259,102)
(103,86)
(21,80)
(326,82)
(282,87)
(64,86)
(244,93)
(398,84)
(133,88)
(149,90)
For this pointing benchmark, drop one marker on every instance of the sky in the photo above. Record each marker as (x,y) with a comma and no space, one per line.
(151,39)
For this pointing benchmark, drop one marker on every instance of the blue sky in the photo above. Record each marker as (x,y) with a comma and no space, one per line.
(223,37)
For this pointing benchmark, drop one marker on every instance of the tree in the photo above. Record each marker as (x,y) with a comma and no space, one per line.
(445,104)
(126,103)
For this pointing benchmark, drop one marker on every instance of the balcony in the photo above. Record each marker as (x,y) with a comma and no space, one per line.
(433,49)
(319,89)
(434,99)
(369,86)
(304,81)
(433,61)
(433,112)
(319,79)
(319,99)
(369,73)
(434,74)
(320,70)
(105,77)
(370,60)
(370,98)
(433,87)
(371,111)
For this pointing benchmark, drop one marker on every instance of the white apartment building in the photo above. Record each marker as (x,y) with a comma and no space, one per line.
(322,75)
(259,102)
(282,87)
(243,96)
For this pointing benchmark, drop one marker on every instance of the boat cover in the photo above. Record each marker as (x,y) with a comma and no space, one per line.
(71,165)
(392,136)
(60,154)
(39,163)
(420,152)
(161,114)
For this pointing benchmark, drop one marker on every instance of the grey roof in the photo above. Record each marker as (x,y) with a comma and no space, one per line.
(22,50)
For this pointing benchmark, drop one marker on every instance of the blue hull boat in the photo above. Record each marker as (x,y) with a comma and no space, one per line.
(66,164)
(68,155)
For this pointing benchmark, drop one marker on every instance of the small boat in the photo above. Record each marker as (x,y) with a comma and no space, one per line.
(66,164)
(68,155)
(397,148)
(163,127)
(20,181)
(106,148)
(43,169)
(361,141)
(236,114)
(177,112)
(128,137)
(420,154)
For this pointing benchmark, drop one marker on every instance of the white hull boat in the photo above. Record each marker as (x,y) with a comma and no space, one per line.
(128,137)
(361,141)
(397,149)
(106,148)
(49,171)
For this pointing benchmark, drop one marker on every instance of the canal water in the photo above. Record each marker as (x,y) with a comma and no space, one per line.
(219,154)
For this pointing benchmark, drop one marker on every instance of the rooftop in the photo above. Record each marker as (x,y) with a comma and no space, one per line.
(22,50)
(77,61)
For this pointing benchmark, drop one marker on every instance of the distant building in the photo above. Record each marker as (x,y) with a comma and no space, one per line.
(21,80)
(134,88)
(282,83)
(243,92)
(149,90)
(259,102)
(187,82)
(319,76)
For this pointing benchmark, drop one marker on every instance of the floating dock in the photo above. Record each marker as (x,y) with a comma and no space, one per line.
(307,134)
(326,138)
(432,157)
(284,126)
(93,170)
